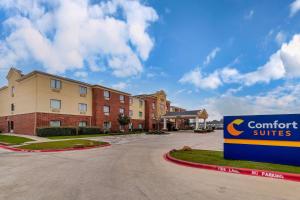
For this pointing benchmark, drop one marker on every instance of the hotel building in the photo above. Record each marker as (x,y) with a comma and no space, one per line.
(38,99)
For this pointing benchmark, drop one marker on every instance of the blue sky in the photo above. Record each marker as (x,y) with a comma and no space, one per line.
(230,57)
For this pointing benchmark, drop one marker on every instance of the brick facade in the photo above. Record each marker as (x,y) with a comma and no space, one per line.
(23,123)
(136,122)
(43,119)
(150,123)
(114,103)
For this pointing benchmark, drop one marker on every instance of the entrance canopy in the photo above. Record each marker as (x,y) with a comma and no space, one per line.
(195,114)
(201,114)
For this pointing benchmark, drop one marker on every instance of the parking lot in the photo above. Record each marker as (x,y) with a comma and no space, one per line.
(132,168)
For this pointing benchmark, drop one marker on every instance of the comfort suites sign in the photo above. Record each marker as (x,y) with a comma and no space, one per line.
(263,138)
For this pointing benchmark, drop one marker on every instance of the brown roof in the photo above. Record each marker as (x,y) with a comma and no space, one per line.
(70,80)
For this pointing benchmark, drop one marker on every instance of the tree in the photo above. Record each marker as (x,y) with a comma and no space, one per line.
(123,120)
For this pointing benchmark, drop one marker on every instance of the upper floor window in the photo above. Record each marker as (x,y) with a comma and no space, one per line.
(83,91)
(153,106)
(12,107)
(130,100)
(13,91)
(106,94)
(106,110)
(130,113)
(122,98)
(55,104)
(122,110)
(162,106)
(55,123)
(141,103)
(140,114)
(82,107)
(153,116)
(82,124)
(55,84)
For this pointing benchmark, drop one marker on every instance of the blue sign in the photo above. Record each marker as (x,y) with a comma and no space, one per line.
(263,138)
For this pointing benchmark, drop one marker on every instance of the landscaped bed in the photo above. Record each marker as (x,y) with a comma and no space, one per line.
(13,140)
(216,158)
(63,144)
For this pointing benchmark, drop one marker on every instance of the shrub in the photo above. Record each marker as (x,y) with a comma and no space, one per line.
(89,130)
(203,131)
(137,130)
(56,131)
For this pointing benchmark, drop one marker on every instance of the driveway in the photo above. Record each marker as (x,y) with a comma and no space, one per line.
(132,168)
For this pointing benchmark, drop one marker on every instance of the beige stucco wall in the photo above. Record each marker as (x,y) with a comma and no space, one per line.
(136,108)
(161,100)
(69,96)
(33,94)
(24,98)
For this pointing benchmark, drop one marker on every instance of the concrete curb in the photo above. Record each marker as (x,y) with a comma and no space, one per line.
(52,150)
(235,170)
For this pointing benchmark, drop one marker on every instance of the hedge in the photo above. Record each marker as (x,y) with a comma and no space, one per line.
(89,130)
(203,131)
(56,131)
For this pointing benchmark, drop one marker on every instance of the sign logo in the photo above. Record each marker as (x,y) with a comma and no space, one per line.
(231,129)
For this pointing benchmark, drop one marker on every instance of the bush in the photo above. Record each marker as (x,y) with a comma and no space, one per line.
(89,130)
(56,131)
(203,131)
(157,133)
(137,130)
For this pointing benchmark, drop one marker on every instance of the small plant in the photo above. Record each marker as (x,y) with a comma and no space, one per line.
(123,120)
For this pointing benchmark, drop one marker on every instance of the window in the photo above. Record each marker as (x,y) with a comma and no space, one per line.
(82,108)
(122,98)
(130,113)
(153,106)
(141,103)
(140,114)
(55,104)
(140,126)
(12,91)
(122,110)
(82,124)
(106,125)
(162,107)
(106,94)
(55,84)
(12,107)
(130,100)
(153,116)
(83,91)
(130,126)
(106,110)
(55,123)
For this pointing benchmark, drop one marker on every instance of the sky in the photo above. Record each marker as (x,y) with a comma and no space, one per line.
(230,57)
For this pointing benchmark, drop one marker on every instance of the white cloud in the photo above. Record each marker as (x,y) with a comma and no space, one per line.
(294,7)
(283,64)
(81,74)
(211,55)
(249,15)
(280,37)
(120,86)
(67,34)
(195,77)
(283,99)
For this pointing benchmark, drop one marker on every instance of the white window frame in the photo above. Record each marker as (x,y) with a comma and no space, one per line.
(55,100)
(82,124)
(130,113)
(122,111)
(54,84)
(153,106)
(140,126)
(140,114)
(13,90)
(82,107)
(106,127)
(52,122)
(141,103)
(105,92)
(106,110)
(82,90)
(122,98)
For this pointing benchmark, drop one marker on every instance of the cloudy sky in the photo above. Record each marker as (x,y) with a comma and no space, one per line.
(230,57)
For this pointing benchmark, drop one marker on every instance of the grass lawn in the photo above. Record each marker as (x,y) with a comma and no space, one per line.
(91,135)
(13,140)
(216,158)
(64,144)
